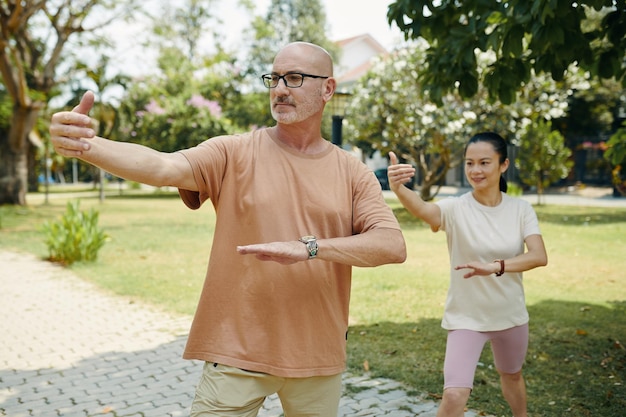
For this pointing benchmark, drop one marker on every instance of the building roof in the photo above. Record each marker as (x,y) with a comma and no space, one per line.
(357,54)
(366,37)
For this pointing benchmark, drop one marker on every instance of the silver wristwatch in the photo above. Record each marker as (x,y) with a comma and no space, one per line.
(311,245)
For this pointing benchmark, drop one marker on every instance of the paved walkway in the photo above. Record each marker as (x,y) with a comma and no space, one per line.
(69,349)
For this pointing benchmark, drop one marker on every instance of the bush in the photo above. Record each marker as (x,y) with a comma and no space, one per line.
(76,237)
(514,189)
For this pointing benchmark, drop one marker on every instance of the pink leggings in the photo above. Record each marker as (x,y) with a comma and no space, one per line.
(464,347)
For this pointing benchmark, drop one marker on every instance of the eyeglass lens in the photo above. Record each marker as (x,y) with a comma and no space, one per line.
(291,80)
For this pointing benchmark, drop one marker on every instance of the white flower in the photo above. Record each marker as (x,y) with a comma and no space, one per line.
(469,115)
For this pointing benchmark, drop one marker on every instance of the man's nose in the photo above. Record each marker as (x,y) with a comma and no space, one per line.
(282,85)
(281,90)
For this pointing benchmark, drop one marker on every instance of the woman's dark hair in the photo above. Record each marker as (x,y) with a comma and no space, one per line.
(499,145)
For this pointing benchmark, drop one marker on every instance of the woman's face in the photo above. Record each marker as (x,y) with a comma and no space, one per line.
(483,167)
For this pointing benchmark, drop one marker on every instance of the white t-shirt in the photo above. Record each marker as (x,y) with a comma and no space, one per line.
(480,233)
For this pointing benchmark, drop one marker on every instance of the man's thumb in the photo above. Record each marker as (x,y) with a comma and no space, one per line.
(86,103)
(393,159)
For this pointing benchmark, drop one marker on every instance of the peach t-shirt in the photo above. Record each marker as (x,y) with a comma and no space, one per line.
(285,320)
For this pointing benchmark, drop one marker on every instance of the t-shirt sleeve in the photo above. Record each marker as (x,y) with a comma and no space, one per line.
(370,209)
(531,223)
(446,206)
(208,161)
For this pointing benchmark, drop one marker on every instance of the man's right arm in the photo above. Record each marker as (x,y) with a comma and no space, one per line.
(72,136)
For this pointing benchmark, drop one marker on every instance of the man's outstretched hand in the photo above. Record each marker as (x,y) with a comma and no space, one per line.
(285,253)
(70,130)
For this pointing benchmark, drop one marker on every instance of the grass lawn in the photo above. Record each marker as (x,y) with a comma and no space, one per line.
(576,365)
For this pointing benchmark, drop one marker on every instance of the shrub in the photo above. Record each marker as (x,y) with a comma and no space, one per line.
(514,189)
(75,237)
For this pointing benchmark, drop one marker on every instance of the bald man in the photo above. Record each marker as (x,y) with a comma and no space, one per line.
(294,214)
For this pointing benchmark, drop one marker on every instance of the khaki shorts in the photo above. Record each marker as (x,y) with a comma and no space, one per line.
(227,391)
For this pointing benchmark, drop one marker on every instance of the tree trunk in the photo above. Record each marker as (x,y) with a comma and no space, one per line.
(14,156)
(33,171)
(540,191)
(433,174)
(13,174)
(429,182)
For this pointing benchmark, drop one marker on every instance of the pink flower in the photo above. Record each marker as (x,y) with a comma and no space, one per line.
(153,107)
(199,102)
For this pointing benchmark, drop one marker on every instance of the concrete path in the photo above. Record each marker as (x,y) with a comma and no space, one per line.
(69,349)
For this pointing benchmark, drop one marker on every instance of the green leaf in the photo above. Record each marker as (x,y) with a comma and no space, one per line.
(468,85)
(512,45)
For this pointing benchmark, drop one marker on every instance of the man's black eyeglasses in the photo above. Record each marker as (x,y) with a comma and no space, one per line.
(291,80)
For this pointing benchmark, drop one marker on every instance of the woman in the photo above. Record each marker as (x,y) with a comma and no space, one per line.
(492,239)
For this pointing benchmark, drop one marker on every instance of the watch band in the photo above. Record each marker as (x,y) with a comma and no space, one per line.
(501,262)
(311,245)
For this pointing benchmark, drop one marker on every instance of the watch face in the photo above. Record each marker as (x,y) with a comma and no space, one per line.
(311,245)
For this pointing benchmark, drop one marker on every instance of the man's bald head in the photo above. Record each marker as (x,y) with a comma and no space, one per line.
(306,55)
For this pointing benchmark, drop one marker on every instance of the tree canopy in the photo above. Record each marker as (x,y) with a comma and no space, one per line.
(432,138)
(33,37)
(287,21)
(545,36)
(543,157)
(195,95)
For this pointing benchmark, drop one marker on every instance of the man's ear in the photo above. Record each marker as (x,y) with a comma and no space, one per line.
(330,88)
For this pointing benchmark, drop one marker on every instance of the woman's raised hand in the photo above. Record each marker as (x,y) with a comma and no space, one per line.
(398,174)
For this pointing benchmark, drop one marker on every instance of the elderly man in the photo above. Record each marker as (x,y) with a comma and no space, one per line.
(294,214)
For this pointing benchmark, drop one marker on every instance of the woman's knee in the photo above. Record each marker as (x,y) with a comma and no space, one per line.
(511,377)
(456,395)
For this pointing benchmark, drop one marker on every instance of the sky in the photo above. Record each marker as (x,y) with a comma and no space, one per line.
(355,17)
(345,18)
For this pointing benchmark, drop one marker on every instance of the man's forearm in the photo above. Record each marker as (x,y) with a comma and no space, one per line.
(138,163)
(373,248)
